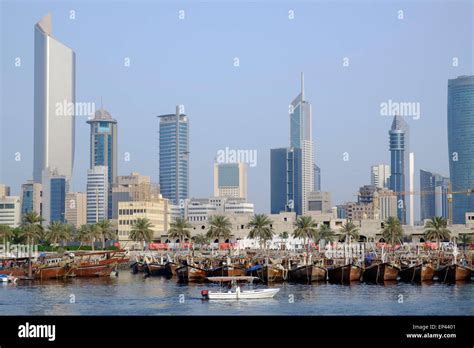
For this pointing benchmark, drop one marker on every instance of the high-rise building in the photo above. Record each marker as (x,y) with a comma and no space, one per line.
(380,175)
(385,203)
(399,163)
(54,188)
(103,147)
(317,178)
(461,144)
(174,156)
(133,187)
(319,201)
(76,209)
(301,130)
(366,194)
(434,195)
(54,98)
(4,190)
(286,180)
(97,194)
(10,211)
(31,198)
(230,180)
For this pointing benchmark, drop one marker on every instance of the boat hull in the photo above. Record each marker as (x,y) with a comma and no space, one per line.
(190,274)
(417,274)
(344,274)
(379,273)
(302,274)
(244,295)
(454,273)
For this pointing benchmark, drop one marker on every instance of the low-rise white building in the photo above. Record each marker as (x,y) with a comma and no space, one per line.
(10,211)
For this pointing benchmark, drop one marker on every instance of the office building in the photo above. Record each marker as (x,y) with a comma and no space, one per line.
(434,195)
(54,98)
(174,156)
(461,145)
(319,201)
(31,197)
(97,194)
(10,213)
(230,180)
(76,209)
(380,175)
(54,188)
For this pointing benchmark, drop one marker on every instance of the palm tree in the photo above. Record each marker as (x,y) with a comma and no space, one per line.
(465,240)
(180,229)
(324,233)
(58,232)
(437,228)
(200,239)
(141,231)
(31,230)
(6,233)
(284,235)
(107,231)
(305,228)
(219,227)
(350,230)
(392,230)
(89,233)
(260,228)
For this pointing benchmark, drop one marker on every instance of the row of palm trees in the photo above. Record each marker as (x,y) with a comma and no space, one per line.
(220,228)
(31,231)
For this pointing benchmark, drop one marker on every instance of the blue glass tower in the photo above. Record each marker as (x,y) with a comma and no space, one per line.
(285,180)
(461,144)
(103,148)
(57,199)
(398,135)
(174,156)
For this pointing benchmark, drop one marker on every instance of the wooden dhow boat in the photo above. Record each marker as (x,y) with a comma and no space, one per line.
(453,273)
(344,274)
(380,272)
(417,273)
(191,274)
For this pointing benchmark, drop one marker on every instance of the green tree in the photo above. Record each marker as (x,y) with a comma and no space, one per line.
(141,231)
(305,228)
(180,229)
(261,228)
(437,228)
(392,230)
(89,233)
(6,233)
(324,233)
(58,232)
(107,231)
(219,227)
(31,230)
(350,231)
(200,239)
(465,240)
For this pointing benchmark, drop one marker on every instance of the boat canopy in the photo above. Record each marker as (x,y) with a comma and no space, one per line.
(230,279)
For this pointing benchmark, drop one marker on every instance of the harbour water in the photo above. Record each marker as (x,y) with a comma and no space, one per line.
(133,294)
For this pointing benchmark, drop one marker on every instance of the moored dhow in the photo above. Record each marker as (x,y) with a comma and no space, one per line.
(418,273)
(453,273)
(344,274)
(380,272)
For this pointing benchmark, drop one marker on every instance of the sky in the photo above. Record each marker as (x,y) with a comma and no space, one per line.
(400,56)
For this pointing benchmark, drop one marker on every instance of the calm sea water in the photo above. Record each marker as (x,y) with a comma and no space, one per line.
(130,294)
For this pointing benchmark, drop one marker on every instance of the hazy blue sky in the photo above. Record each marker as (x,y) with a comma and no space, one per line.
(190,62)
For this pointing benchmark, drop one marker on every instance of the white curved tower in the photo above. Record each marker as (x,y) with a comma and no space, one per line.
(54,98)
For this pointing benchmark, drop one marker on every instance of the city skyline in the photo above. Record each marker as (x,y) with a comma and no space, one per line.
(259,194)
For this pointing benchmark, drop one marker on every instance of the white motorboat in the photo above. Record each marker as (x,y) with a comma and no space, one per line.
(236,293)
(4,278)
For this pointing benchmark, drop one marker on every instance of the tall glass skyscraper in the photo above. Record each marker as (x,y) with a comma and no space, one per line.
(103,148)
(174,156)
(286,180)
(301,136)
(434,195)
(461,144)
(54,91)
(54,196)
(399,163)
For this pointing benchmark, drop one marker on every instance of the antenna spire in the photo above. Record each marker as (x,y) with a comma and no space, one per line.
(302,85)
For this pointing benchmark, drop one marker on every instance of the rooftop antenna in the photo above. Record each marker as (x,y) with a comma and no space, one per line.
(302,86)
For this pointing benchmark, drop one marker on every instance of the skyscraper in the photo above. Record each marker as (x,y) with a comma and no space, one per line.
(380,175)
(317,178)
(286,180)
(301,130)
(54,88)
(103,148)
(461,144)
(399,163)
(31,199)
(97,194)
(230,180)
(434,195)
(174,156)
(54,196)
